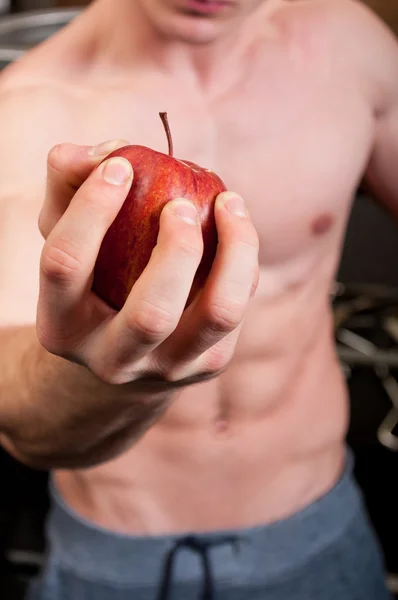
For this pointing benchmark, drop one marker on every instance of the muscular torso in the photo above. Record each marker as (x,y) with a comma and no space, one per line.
(266,437)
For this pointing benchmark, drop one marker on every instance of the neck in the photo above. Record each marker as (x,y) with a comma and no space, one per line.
(126,38)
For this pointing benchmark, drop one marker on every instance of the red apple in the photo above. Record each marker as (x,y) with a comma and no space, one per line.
(128,243)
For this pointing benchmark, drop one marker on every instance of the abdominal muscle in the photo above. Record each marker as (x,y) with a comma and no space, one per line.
(254,445)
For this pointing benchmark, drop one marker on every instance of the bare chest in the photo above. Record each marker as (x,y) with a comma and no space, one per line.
(293,147)
(294,144)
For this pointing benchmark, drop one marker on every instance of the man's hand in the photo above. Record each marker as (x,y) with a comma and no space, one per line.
(152,340)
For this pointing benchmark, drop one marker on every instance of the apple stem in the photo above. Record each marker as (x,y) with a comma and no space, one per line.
(163,116)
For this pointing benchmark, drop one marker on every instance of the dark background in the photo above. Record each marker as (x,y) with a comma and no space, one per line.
(370,256)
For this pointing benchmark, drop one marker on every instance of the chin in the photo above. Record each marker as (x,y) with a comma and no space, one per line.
(173,23)
(195,31)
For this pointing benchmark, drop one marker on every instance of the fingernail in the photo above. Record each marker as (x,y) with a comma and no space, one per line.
(117,171)
(186,211)
(234,204)
(105,148)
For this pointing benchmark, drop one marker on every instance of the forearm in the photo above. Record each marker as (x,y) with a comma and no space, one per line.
(57,414)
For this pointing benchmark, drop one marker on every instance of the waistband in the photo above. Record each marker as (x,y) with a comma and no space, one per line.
(99,554)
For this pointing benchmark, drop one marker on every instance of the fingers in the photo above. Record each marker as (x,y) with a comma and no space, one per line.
(152,333)
(213,321)
(157,300)
(72,247)
(68,166)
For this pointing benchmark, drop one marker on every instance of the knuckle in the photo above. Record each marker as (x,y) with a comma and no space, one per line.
(218,358)
(189,247)
(114,372)
(59,264)
(224,315)
(55,157)
(151,322)
(63,159)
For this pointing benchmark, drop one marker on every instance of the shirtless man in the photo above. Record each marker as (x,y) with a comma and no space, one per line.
(196,454)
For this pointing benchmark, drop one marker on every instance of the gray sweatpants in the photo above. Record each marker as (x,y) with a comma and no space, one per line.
(325,552)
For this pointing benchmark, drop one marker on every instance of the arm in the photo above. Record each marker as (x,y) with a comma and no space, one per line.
(36,386)
(375,51)
(83,383)
(54,413)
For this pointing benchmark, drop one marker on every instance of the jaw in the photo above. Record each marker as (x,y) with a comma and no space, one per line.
(180,21)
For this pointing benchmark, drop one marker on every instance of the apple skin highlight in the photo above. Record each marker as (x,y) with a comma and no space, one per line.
(130,240)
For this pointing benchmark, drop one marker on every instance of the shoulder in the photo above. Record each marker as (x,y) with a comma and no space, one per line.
(354,42)
(45,73)
(329,12)
(343,21)
(33,118)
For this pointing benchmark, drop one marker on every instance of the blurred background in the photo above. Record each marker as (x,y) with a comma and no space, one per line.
(365,303)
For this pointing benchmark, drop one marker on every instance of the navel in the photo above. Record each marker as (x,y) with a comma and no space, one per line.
(322,224)
(221,425)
